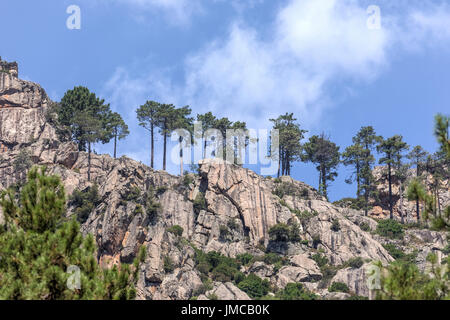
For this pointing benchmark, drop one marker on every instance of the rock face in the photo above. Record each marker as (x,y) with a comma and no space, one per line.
(23,105)
(225,208)
(401,205)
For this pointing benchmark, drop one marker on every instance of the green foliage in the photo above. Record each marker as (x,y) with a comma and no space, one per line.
(339,287)
(22,162)
(392,150)
(176,230)
(399,255)
(290,136)
(288,189)
(352,203)
(118,128)
(224,232)
(132,194)
(404,281)
(152,207)
(84,202)
(217,266)
(245,258)
(200,203)
(365,227)
(37,247)
(161,190)
(283,233)
(390,229)
(335,226)
(354,263)
(85,116)
(320,259)
(187,180)
(325,154)
(296,291)
(254,286)
(168,265)
(213,297)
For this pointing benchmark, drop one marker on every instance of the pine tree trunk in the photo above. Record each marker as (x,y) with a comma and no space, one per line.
(358,182)
(279,162)
(89,161)
(417,210)
(164,151)
(391,211)
(181,157)
(115,146)
(401,203)
(152,162)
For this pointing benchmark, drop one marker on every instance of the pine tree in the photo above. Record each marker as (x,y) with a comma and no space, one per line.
(118,128)
(79,103)
(367,138)
(354,156)
(290,136)
(392,149)
(147,115)
(416,192)
(208,121)
(321,151)
(418,158)
(39,249)
(183,121)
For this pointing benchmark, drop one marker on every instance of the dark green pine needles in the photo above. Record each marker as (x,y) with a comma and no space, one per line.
(38,246)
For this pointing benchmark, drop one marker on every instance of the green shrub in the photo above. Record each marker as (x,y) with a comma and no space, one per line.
(281,232)
(354,263)
(245,258)
(286,188)
(224,232)
(233,224)
(399,255)
(316,240)
(200,203)
(365,227)
(296,291)
(335,226)
(161,190)
(133,194)
(320,259)
(390,229)
(176,230)
(152,207)
(446,250)
(254,286)
(339,287)
(272,258)
(188,180)
(168,265)
(84,202)
(213,296)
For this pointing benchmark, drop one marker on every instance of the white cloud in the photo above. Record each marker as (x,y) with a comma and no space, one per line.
(313,44)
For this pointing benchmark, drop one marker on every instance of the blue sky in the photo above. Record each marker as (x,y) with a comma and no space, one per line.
(248,60)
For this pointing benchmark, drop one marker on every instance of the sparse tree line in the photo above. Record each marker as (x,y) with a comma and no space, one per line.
(86,119)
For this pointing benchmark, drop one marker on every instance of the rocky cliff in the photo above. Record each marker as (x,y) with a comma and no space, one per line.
(224,208)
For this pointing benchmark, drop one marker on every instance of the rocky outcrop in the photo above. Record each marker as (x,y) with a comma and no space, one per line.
(23,106)
(225,208)
(401,205)
(225,291)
